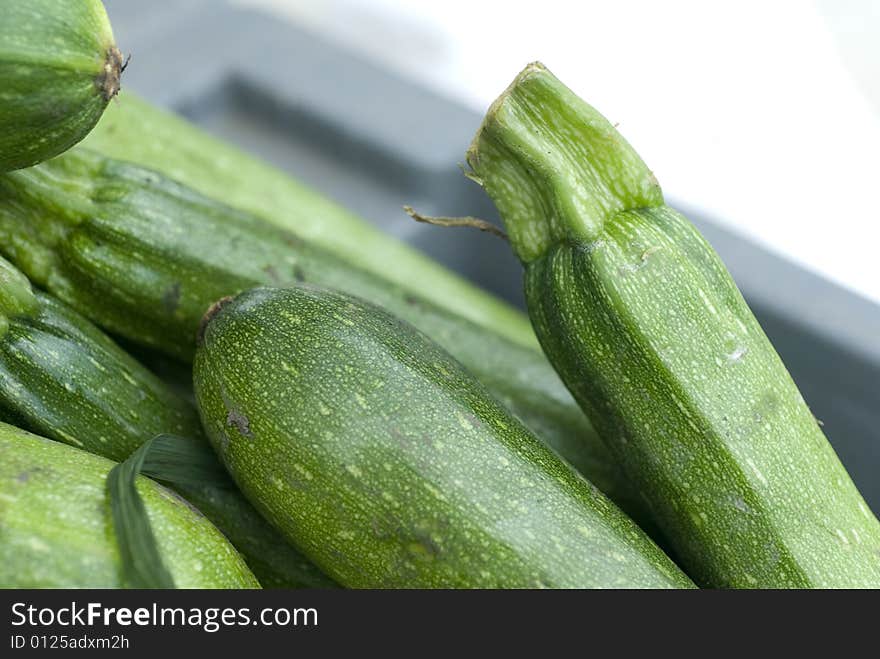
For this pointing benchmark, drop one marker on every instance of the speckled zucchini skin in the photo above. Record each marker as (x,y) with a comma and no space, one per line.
(145,258)
(650,333)
(16,296)
(56,529)
(375,452)
(59,67)
(182,151)
(63,378)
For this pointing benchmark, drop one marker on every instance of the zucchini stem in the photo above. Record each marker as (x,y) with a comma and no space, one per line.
(466,221)
(556,169)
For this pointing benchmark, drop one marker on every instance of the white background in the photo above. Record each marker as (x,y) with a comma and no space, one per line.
(763,115)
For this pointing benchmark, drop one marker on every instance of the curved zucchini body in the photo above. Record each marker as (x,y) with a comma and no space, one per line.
(63,378)
(55,529)
(181,151)
(145,257)
(59,67)
(649,332)
(273,560)
(16,296)
(389,465)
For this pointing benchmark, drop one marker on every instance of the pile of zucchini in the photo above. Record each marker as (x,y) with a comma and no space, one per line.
(212,377)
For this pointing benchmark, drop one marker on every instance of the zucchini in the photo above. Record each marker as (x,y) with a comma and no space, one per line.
(650,333)
(63,378)
(59,67)
(181,151)
(145,257)
(376,453)
(55,529)
(16,296)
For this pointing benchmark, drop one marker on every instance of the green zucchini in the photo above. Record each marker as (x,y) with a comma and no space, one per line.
(59,67)
(375,452)
(55,529)
(181,151)
(16,296)
(650,333)
(63,378)
(145,257)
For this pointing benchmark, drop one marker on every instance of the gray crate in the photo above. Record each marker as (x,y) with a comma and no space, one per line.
(375,142)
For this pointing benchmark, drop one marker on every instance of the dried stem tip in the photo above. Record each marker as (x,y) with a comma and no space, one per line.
(108,80)
(466,221)
(212,311)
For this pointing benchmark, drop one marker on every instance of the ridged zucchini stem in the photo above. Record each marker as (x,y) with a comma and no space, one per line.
(646,327)
(553,176)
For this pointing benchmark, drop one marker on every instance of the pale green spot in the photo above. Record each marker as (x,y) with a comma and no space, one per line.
(305,473)
(38,545)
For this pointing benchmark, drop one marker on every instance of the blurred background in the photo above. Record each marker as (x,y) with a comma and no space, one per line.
(764,115)
(761,121)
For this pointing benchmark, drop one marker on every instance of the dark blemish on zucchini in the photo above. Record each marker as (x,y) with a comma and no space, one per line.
(212,311)
(411,299)
(25,476)
(299,274)
(240,422)
(171,297)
